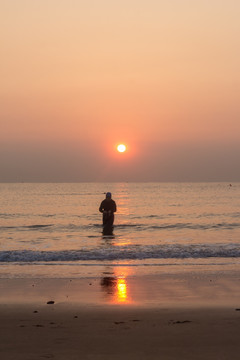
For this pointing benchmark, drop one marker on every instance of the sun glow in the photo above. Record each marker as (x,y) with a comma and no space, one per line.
(121,148)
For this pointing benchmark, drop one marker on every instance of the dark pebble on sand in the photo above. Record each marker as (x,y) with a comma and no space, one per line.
(182,322)
(75,317)
(35,312)
(172,322)
(237,309)
(50,302)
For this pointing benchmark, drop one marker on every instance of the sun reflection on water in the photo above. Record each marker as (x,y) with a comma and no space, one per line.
(116,287)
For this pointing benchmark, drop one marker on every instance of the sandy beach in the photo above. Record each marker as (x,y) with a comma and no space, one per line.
(184,316)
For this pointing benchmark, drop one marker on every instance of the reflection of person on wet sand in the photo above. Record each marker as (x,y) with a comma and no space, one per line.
(115,285)
(108,208)
(116,288)
(109,284)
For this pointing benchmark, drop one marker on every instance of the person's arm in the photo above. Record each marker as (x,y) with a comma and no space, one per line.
(114,207)
(101,207)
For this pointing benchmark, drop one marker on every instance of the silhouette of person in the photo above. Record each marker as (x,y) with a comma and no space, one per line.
(108,208)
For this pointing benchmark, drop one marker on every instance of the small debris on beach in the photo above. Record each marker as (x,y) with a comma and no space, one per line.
(51,302)
(237,309)
(182,322)
(75,317)
(171,322)
(119,322)
(35,312)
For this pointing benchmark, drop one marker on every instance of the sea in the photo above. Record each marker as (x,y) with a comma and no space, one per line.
(54,230)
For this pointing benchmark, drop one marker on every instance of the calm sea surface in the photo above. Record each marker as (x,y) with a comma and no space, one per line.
(54,230)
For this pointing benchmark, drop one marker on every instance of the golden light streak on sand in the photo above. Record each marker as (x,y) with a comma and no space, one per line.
(122,293)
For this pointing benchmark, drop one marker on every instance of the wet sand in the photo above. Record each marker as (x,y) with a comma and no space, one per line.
(193,316)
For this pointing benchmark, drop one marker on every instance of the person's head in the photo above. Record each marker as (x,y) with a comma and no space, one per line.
(108,195)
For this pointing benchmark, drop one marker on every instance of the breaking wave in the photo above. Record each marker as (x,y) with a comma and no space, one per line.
(130,252)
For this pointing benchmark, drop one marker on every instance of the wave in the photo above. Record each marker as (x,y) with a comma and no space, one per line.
(128,226)
(178,226)
(22,227)
(130,252)
(197,226)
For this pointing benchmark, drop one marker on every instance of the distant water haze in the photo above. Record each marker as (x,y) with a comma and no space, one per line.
(77,162)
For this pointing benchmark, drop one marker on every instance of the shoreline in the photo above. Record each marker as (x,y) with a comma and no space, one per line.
(120,286)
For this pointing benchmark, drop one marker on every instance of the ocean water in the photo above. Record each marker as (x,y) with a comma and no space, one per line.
(54,230)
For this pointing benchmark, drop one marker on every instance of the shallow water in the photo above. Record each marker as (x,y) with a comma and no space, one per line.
(55,229)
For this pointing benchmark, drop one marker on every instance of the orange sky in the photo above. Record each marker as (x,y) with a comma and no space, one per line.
(78,77)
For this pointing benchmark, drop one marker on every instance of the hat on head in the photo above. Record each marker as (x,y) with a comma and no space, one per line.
(108,195)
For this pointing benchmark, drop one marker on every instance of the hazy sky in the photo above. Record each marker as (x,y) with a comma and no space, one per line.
(78,77)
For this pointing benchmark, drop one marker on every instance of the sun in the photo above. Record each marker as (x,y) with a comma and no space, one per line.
(121,148)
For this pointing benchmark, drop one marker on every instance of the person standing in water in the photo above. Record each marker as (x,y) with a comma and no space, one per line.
(108,208)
